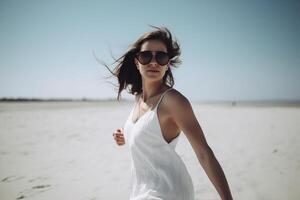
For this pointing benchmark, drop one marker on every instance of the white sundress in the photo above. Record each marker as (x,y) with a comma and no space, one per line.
(157,171)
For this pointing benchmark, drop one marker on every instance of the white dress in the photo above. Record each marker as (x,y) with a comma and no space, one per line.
(157,171)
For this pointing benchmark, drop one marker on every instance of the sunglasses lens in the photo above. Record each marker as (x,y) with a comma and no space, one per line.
(144,57)
(162,58)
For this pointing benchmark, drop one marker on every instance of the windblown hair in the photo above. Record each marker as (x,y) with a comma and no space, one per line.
(126,70)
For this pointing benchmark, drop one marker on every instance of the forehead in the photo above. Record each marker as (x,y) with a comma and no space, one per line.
(153,45)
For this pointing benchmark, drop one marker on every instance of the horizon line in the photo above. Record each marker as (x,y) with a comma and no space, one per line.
(3,99)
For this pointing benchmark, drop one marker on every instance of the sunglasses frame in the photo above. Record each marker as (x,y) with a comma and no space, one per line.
(155,56)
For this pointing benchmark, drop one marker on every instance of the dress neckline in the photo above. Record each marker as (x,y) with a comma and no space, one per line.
(149,110)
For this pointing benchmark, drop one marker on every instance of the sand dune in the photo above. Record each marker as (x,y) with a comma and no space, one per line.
(52,150)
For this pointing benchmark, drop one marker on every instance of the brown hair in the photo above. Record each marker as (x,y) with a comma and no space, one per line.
(126,71)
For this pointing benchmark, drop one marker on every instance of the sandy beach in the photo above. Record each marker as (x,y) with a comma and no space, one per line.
(65,150)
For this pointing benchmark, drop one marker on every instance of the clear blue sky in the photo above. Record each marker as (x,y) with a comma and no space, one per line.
(231,50)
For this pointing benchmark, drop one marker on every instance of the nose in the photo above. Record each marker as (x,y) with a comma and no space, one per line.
(153,60)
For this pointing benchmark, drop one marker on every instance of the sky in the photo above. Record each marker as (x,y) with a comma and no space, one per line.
(231,50)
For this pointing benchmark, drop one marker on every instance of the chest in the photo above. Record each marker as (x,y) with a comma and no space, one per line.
(167,125)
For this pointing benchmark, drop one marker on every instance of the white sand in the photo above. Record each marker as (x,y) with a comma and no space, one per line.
(66,151)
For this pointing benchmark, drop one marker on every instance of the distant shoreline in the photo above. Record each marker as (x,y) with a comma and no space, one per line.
(213,102)
(256,103)
(56,100)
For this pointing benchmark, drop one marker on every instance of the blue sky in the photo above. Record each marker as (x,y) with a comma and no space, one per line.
(231,50)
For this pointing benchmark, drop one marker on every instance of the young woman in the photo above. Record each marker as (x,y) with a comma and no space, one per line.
(154,124)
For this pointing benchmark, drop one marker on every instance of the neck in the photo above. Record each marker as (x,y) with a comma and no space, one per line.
(151,89)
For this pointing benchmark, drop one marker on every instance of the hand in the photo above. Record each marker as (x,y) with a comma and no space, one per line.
(119,136)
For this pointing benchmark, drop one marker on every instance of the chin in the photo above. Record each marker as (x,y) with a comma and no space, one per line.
(153,77)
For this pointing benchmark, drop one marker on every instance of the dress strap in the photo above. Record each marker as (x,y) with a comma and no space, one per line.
(161,97)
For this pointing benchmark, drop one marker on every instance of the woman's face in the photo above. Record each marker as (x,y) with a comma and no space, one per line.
(152,71)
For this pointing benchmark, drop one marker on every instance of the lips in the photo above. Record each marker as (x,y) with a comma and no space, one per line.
(152,70)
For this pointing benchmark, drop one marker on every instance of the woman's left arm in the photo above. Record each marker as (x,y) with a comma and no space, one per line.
(186,120)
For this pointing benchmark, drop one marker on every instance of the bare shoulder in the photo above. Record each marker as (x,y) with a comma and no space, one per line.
(177,105)
(180,111)
(175,99)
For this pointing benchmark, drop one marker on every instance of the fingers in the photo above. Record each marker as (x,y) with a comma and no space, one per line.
(120,141)
(119,137)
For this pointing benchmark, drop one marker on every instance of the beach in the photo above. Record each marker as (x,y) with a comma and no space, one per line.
(65,150)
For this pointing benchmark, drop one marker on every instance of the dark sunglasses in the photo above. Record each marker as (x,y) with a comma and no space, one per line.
(145,57)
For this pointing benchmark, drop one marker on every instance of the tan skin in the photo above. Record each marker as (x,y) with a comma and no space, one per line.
(173,121)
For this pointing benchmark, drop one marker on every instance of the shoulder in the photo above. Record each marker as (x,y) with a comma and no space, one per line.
(181,112)
(176,98)
(180,109)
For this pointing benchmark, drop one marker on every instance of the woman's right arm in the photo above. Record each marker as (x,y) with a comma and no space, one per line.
(119,133)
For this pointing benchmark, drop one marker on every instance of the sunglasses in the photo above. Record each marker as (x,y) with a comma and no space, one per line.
(145,57)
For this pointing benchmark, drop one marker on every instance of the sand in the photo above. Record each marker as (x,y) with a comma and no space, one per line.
(65,150)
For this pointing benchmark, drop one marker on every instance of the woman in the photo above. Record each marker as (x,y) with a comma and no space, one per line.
(159,115)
